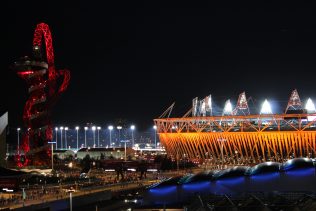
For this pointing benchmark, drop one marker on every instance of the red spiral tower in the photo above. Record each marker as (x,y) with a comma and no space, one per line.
(45,84)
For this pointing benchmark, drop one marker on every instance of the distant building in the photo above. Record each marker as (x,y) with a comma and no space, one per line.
(3,126)
(63,153)
(96,153)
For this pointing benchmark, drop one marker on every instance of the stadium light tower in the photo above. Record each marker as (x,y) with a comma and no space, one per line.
(310,107)
(66,129)
(132,128)
(98,128)
(77,129)
(18,148)
(119,129)
(125,148)
(228,109)
(155,129)
(266,108)
(56,129)
(85,136)
(110,129)
(93,129)
(61,137)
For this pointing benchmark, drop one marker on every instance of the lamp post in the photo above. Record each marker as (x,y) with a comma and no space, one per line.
(110,129)
(85,136)
(93,129)
(56,131)
(77,129)
(125,148)
(119,128)
(70,191)
(66,128)
(18,148)
(99,128)
(132,128)
(51,142)
(155,129)
(61,137)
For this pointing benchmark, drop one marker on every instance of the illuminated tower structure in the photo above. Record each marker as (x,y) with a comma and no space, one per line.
(45,84)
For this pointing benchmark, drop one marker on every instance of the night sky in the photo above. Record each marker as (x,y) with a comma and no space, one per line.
(130,60)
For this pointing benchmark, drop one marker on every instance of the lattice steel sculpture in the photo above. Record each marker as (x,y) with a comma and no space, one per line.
(45,84)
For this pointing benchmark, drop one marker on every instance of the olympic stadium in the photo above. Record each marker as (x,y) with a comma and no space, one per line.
(238,134)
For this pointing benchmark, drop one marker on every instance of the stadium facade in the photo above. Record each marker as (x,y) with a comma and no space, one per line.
(239,134)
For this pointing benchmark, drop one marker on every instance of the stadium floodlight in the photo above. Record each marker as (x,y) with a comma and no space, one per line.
(61,137)
(66,144)
(18,130)
(98,128)
(310,107)
(93,129)
(203,111)
(110,129)
(266,108)
(85,136)
(132,129)
(228,107)
(77,129)
(119,129)
(155,135)
(56,129)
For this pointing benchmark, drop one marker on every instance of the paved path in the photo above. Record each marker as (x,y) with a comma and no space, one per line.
(50,197)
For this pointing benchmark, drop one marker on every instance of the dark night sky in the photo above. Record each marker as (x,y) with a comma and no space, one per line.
(132,60)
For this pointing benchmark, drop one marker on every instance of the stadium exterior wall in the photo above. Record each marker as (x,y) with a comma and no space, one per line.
(255,145)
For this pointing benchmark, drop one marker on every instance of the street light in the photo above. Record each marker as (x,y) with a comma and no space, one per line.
(125,148)
(18,148)
(132,128)
(119,128)
(70,191)
(56,129)
(51,142)
(61,136)
(99,128)
(93,129)
(85,136)
(155,129)
(66,128)
(77,129)
(110,129)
